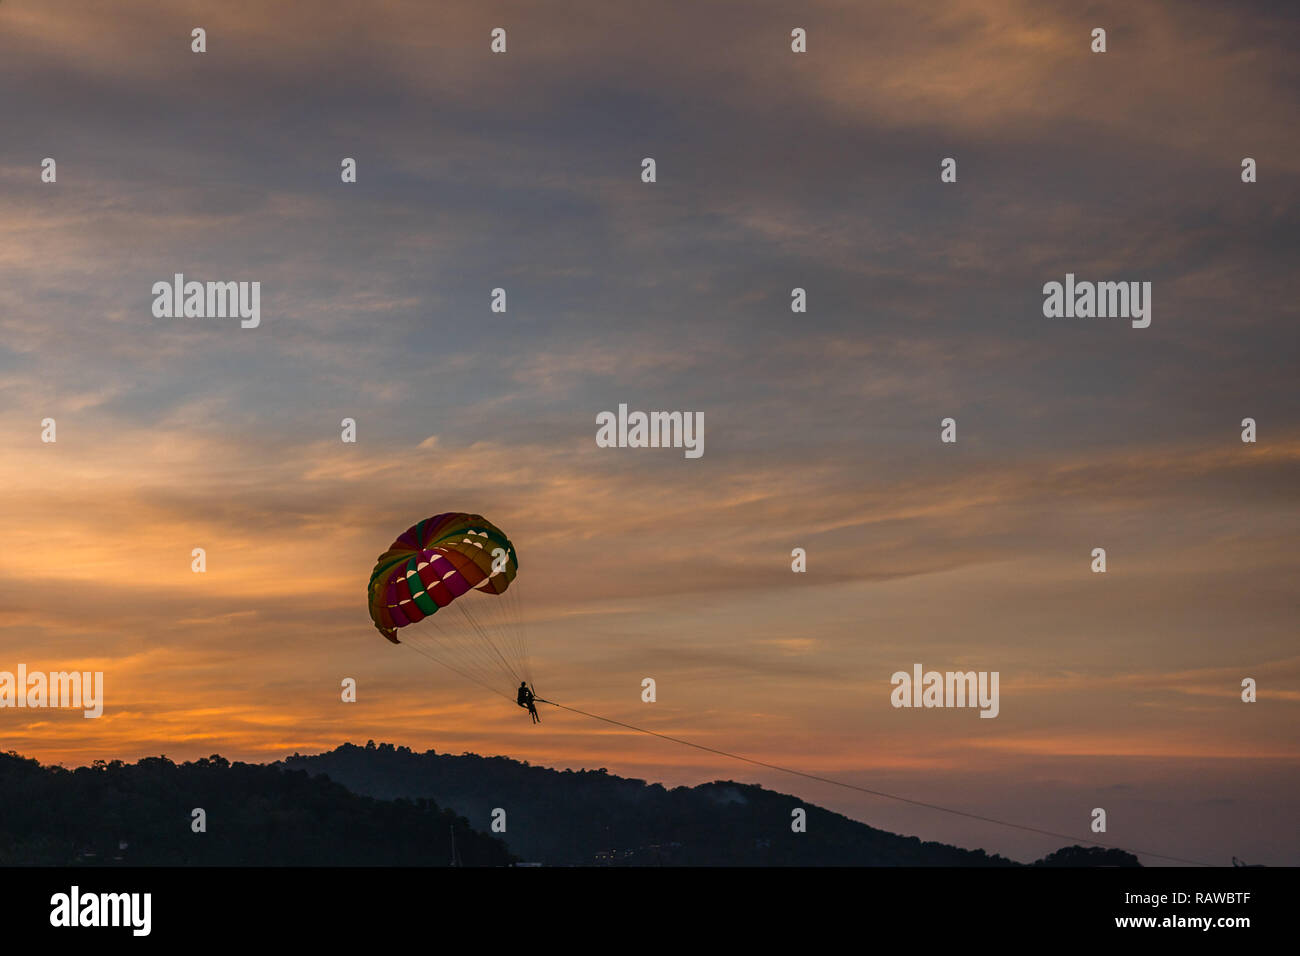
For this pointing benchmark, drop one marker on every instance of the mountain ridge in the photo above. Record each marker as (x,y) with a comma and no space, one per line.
(584,817)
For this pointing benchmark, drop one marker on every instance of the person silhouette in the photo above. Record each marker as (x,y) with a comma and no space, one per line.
(525,698)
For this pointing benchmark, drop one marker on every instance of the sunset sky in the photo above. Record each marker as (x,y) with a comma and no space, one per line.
(775,170)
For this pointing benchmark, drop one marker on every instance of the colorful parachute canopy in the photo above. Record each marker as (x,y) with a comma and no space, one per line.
(436,562)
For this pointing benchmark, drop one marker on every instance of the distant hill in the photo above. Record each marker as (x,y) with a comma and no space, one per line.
(593,817)
(384,806)
(259,815)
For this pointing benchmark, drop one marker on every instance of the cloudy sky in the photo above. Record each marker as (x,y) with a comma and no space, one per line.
(775,171)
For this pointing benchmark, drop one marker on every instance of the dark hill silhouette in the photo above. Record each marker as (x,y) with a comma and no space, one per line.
(590,816)
(139,814)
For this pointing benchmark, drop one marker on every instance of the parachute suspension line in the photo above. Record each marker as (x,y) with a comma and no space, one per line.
(483,634)
(462,646)
(436,660)
(505,625)
(471,648)
(514,628)
(874,793)
(494,626)
(457,646)
(474,670)
(483,649)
